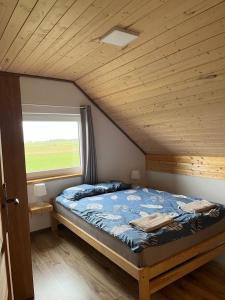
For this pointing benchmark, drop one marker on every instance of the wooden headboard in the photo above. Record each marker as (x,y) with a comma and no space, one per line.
(205,166)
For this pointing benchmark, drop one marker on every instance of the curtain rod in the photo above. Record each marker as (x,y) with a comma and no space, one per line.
(46,105)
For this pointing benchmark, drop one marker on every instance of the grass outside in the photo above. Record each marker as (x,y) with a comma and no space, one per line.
(50,155)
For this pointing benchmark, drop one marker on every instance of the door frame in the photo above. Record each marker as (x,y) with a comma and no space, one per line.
(13,164)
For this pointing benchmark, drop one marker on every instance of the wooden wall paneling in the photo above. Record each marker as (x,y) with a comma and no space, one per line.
(208,166)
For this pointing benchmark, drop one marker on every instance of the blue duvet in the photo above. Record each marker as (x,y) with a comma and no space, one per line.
(111,212)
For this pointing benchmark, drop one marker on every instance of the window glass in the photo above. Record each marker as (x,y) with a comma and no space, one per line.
(51,145)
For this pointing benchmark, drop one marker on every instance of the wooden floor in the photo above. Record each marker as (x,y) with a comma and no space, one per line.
(66,268)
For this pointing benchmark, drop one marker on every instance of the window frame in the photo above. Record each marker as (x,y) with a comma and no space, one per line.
(55,116)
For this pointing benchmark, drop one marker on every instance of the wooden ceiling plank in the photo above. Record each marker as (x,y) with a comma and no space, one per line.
(54,15)
(36,16)
(166,89)
(200,139)
(185,42)
(6,10)
(175,126)
(148,129)
(181,60)
(75,11)
(186,151)
(128,12)
(175,148)
(168,105)
(177,99)
(84,19)
(196,73)
(19,16)
(186,166)
(188,137)
(180,88)
(160,141)
(196,144)
(110,17)
(181,131)
(209,160)
(198,112)
(143,11)
(156,20)
(157,147)
(205,138)
(195,22)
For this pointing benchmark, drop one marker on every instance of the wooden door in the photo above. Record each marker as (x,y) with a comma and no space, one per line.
(14,180)
(5,286)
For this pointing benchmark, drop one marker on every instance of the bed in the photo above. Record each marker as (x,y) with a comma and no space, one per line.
(101,214)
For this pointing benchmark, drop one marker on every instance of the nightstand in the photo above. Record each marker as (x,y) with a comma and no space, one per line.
(40,207)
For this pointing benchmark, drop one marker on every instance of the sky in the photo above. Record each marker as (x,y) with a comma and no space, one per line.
(44,131)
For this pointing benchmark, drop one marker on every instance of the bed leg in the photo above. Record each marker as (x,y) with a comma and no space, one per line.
(54,225)
(144,293)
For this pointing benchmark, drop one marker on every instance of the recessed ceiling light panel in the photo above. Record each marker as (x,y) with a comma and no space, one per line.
(119,37)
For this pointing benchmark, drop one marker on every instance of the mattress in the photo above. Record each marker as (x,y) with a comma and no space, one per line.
(150,255)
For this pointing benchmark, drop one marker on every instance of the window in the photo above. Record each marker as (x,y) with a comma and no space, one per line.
(52,144)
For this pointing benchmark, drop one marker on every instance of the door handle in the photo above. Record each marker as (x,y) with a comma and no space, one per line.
(14,201)
(7,200)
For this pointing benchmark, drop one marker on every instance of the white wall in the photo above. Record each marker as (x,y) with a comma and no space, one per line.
(116,155)
(210,189)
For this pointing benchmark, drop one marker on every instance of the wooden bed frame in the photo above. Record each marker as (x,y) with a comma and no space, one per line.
(153,278)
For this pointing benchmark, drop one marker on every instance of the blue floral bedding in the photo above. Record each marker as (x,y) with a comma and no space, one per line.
(112,212)
(85,190)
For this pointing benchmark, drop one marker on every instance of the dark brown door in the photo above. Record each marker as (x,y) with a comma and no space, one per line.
(15,202)
(5,285)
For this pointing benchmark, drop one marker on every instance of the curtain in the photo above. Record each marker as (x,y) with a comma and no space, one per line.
(88,146)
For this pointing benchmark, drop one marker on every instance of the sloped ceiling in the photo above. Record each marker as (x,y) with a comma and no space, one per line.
(166,90)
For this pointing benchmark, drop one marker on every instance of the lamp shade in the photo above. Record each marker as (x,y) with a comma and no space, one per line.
(40,190)
(135,175)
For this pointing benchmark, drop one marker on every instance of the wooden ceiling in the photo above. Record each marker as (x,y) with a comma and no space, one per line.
(166,89)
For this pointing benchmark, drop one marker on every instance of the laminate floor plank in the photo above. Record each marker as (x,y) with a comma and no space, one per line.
(67,268)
